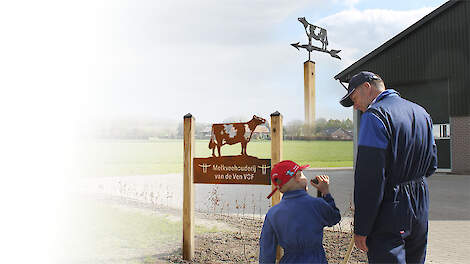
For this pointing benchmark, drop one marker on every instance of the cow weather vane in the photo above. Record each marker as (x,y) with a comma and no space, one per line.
(316,33)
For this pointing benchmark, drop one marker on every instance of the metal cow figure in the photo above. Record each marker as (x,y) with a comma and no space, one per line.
(232,133)
(321,36)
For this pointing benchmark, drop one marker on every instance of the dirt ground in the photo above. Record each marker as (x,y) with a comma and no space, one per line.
(235,240)
(242,246)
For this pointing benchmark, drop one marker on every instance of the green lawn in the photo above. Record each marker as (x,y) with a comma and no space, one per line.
(141,157)
(102,233)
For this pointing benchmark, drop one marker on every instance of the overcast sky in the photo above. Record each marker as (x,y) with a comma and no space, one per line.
(217,59)
(214,59)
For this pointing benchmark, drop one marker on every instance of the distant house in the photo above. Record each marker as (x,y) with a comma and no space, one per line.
(342,134)
(261,132)
(327,132)
(206,132)
(338,133)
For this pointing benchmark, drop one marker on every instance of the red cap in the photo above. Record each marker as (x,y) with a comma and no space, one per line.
(282,172)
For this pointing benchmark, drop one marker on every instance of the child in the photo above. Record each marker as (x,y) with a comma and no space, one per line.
(296,223)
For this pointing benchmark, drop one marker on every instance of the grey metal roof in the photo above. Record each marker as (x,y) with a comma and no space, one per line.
(343,75)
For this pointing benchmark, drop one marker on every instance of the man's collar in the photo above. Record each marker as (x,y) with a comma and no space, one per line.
(382,95)
(375,99)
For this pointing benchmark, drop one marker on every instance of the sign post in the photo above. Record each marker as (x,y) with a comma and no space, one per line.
(276,148)
(188,188)
(276,157)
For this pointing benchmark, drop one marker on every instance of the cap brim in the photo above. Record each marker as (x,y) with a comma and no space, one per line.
(272,193)
(346,100)
(304,167)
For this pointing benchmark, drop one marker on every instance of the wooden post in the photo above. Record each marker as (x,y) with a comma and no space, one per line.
(309,92)
(276,148)
(309,96)
(188,188)
(276,157)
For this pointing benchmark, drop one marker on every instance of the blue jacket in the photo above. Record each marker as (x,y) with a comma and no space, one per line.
(396,152)
(296,224)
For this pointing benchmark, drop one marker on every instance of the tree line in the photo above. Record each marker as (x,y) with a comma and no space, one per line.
(298,128)
(148,129)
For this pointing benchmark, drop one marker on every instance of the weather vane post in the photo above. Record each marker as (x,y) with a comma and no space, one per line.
(317,33)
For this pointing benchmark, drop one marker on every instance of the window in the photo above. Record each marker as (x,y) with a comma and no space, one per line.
(441,131)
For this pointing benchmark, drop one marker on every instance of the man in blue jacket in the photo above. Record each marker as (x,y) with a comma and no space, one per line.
(396,152)
(296,223)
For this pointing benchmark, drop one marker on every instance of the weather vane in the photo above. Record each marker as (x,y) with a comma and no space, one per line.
(317,33)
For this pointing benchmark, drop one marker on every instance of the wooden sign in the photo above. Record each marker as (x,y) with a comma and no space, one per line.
(241,169)
(232,170)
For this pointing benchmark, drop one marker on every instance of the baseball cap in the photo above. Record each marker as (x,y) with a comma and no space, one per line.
(356,80)
(282,172)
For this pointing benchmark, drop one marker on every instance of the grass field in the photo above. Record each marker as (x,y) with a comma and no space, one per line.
(105,233)
(143,157)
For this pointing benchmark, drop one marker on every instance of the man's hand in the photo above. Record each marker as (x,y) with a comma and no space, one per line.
(323,184)
(360,242)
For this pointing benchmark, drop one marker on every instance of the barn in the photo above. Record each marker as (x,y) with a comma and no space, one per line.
(428,63)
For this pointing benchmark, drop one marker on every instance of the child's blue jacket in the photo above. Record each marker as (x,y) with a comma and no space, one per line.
(296,224)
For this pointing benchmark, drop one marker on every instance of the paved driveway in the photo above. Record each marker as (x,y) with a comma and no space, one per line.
(449,214)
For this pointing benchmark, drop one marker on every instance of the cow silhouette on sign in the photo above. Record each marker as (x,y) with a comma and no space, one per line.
(233,133)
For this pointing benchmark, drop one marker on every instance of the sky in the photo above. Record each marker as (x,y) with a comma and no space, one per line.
(101,60)
(221,59)
(64,64)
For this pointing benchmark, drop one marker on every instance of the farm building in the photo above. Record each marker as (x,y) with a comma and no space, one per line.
(337,133)
(261,132)
(428,63)
(342,134)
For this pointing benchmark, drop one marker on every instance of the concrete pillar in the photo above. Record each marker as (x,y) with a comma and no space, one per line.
(309,92)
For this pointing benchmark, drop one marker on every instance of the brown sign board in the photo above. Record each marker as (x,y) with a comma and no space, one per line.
(242,169)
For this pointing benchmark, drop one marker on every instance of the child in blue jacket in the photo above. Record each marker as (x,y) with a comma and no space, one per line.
(297,222)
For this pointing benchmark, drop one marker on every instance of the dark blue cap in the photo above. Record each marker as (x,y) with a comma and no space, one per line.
(355,81)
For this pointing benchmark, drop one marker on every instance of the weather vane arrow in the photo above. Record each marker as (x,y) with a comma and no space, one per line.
(316,33)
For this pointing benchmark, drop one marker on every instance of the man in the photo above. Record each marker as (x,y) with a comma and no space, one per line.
(396,152)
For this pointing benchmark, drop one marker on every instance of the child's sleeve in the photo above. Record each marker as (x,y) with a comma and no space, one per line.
(267,243)
(329,211)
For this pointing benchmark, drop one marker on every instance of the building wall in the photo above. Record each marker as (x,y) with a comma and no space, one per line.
(433,96)
(428,55)
(460,144)
(438,49)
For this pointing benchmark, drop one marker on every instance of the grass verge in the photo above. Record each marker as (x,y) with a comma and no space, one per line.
(99,232)
(143,157)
